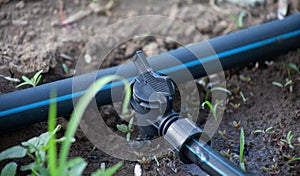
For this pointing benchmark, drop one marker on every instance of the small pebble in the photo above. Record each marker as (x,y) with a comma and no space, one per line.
(137,170)
(20,22)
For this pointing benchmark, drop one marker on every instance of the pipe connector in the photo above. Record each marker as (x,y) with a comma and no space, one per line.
(180,132)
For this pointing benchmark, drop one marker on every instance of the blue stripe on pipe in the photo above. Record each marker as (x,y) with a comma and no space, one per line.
(215,156)
(204,161)
(165,71)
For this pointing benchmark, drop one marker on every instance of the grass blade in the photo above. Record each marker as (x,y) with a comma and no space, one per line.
(52,150)
(80,109)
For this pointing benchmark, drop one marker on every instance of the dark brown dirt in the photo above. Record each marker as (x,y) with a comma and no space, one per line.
(33,39)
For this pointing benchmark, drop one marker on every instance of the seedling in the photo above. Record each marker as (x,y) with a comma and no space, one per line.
(263,131)
(227,154)
(65,69)
(216,89)
(235,106)
(223,134)
(156,160)
(43,149)
(213,108)
(273,169)
(235,90)
(283,86)
(243,97)
(294,159)
(288,140)
(34,81)
(242,144)
(107,171)
(236,124)
(238,20)
(126,129)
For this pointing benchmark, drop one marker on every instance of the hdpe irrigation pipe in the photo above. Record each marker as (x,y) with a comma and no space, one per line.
(30,105)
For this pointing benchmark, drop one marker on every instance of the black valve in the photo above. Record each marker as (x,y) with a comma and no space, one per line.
(152,96)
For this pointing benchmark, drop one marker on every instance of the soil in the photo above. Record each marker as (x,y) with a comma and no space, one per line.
(33,39)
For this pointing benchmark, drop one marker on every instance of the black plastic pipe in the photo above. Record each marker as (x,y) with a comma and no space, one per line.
(31,105)
(209,160)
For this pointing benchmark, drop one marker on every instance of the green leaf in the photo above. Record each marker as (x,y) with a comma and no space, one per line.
(13,152)
(42,170)
(40,141)
(242,165)
(128,137)
(288,83)
(277,84)
(9,169)
(76,166)
(240,19)
(221,89)
(37,77)
(258,131)
(108,172)
(268,129)
(130,123)
(294,67)
(37,142)
(242,142)
(38,80)
(22,84)
(123,128)
(27,167)
(80,108)
(52,150)
(62,139)
(27,80)
(294,159)
(208,104)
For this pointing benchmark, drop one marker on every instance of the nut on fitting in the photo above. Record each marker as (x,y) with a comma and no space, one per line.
(180,132)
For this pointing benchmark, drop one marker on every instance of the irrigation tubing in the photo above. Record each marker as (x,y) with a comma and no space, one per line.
(209,160)
(30,105)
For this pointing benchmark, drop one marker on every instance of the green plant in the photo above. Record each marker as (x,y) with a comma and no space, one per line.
(65,69)
(283,86)
(263,131)
(223,134)
(43,149)
(213,108)
(156,160)
(103,171)
(294,159)
(216,89)
(235,106)
(272,169)
(243,97)
(294,67)
(236,124)
(238,20)
(126,128)
(288,140)
(34,81)
(242,145)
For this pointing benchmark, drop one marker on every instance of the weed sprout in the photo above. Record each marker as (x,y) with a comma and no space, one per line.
(213,108)
(43,149)
(242,145)
(34,81)
(126,129)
